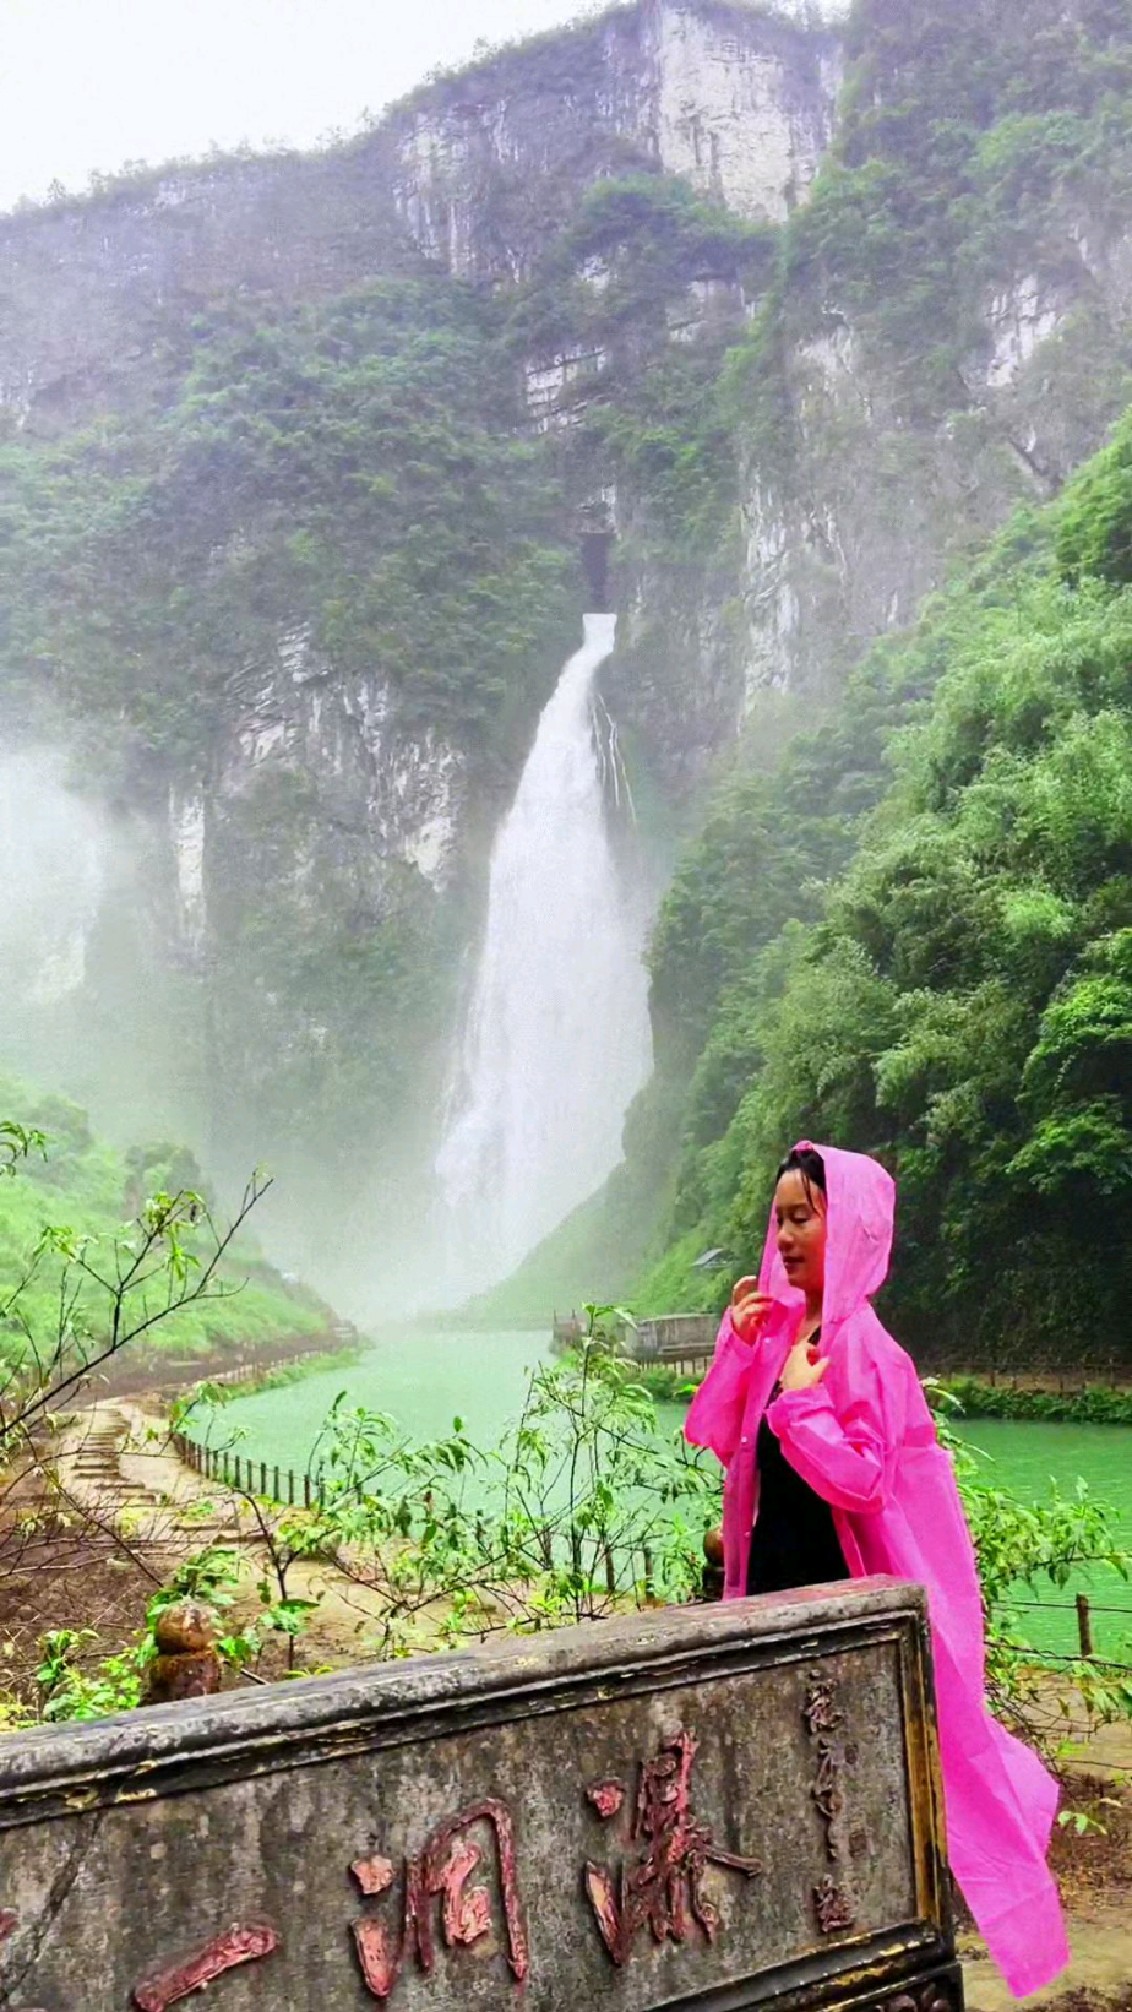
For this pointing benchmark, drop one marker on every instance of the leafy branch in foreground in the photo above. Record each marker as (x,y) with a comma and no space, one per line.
(109,1293)
(72,1302)
(584,1507)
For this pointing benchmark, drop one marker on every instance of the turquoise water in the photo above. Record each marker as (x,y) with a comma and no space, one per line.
(426,1379)
(1025,1459)
(423,1380)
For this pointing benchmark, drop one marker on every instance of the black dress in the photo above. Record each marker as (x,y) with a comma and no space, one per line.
(794,1542)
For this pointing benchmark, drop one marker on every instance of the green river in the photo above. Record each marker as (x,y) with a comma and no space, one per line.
(425,1379)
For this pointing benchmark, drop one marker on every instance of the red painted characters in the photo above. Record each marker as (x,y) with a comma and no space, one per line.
(665,1889)
(440,1872)
(825,1721)
(247,1944)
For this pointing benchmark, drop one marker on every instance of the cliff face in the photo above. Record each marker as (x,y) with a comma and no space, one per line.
(96,295)
(740,101)
(691,293)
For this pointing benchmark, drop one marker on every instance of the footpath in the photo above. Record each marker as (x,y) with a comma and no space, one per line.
(117,1465)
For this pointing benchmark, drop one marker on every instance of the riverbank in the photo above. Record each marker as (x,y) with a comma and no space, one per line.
(257,1364)
(1039,1400)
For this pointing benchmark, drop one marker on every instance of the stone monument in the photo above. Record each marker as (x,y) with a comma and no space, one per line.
(725,1807)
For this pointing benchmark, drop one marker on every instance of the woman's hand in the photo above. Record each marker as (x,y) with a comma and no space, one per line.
(749,1309)
(803,1367)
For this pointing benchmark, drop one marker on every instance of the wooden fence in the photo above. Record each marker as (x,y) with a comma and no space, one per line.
(248,1476)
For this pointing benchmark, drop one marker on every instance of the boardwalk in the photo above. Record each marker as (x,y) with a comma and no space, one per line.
(681,1341)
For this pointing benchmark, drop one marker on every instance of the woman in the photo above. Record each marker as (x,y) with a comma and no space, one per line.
(820,1421)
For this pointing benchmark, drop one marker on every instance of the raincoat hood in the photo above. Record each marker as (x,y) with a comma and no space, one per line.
(861,1208)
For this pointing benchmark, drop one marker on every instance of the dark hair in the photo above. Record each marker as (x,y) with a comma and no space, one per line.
(808,1162)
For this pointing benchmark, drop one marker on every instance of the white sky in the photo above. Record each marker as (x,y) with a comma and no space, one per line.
(90,84)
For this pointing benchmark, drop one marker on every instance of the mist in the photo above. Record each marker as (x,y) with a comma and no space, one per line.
(112,998)
(55,855)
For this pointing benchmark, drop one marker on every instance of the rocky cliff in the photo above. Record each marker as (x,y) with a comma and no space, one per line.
(476,171)
(770,313)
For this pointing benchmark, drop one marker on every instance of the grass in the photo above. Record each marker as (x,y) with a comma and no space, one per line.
(89,1188)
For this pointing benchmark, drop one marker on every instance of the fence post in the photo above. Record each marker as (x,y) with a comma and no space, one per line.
(291,1486)
(1085,1625)
(225,1467)
(650,1583)
(263,1477)
(237,1470)
(275,1484)
(307,1489)
(610,1570)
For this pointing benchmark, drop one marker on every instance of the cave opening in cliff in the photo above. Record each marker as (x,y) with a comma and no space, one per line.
(596,546)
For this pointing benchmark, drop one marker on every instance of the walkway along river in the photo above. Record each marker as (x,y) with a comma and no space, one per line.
(425,1379)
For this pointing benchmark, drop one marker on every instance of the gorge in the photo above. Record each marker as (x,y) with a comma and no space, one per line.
(302,461)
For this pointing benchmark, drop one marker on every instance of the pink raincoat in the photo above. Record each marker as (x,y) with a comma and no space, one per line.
(863,1438)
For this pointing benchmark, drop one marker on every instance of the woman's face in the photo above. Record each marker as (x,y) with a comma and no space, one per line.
(801,1217)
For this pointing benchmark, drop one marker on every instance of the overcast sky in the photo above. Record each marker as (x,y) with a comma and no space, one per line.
(91,84)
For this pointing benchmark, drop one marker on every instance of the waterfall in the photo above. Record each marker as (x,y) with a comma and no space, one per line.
(557,1041)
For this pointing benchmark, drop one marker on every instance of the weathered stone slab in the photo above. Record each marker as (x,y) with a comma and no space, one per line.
(720,1808)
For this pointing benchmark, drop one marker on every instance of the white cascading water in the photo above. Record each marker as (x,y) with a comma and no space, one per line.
(558,1040)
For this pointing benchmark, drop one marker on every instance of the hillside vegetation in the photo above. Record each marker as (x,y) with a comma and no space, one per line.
(88,1194)
(915,938)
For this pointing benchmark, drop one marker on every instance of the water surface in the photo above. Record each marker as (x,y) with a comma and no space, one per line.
(427,1378)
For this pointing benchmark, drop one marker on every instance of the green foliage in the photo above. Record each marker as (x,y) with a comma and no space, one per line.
(76,1683)
(968,135)
(1025,1547)
(72,1226)
(1096,1404)
(583,1507)
(351,472)
(958,998)
(68,1691)
(1095,529)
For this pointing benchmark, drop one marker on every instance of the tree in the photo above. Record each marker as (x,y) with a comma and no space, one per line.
(74,1304)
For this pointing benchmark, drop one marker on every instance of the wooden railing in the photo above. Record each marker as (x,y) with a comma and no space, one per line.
(250,1477)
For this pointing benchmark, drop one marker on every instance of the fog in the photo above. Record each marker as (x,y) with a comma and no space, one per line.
(111,998)
(54,861)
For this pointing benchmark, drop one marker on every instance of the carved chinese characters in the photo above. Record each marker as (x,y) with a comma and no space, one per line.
(833,1903)
(664,1888)
(235,1947)
(441,1872)
(666,1810)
